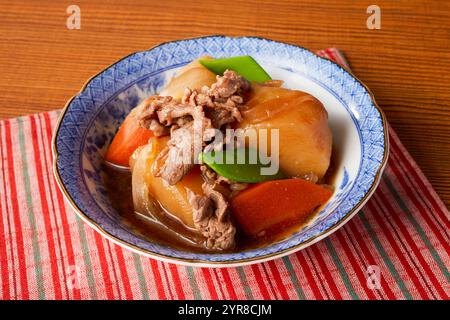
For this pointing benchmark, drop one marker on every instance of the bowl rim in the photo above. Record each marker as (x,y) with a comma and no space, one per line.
(220,264)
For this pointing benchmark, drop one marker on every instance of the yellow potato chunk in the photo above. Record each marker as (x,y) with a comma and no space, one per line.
(192,76)
(147,189)
(305,138)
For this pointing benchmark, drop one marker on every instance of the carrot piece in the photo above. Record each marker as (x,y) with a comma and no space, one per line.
(129,137)
(269,204)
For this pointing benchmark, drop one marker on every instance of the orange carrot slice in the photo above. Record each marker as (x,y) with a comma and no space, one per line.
(279,202)
(129,137)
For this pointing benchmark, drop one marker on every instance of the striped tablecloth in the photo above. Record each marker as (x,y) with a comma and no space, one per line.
(46,252)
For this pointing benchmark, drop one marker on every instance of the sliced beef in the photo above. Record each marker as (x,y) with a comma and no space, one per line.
(179,156)
(147,114)
(212,218)
(189,121)
(188,134)
(230,84)
(222,100)
(212,178)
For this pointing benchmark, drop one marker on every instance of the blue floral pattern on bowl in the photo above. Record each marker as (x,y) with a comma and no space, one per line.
(92,117)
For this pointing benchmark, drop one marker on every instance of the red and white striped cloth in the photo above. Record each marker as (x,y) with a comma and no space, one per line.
(46,252)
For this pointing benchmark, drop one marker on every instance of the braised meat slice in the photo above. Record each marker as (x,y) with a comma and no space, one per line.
(187,121)
(222,100)
(212,219)
(188,134)
(179,156)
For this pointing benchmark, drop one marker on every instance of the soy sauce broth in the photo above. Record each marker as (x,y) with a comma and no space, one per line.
(167,230)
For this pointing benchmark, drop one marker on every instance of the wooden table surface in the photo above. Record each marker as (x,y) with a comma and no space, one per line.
(406,63)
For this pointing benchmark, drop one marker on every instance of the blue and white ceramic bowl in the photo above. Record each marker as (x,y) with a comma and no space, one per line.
(91,118)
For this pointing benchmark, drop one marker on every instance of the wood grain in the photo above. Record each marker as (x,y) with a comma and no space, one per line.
(406,63)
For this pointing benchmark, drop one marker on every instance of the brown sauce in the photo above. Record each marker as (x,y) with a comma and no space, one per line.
(169,231)
(166,229)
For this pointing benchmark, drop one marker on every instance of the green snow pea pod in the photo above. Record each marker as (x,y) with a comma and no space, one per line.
(240,165)
(246,66)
